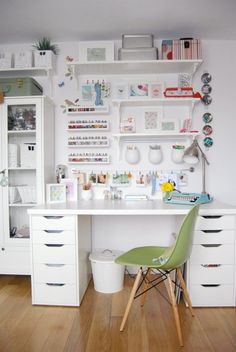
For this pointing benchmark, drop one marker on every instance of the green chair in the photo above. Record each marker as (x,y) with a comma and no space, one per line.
(164,260)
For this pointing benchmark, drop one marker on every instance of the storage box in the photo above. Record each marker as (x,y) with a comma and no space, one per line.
(5,59)
(23,59)
(13,155)
(135,41)
(20,87)
(28,155)
(44,58)
(138,54)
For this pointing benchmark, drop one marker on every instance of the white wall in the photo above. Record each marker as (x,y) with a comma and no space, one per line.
(219,60)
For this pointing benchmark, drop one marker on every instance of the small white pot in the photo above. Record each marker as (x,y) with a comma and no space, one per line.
(155,154)
(86,194)
(132,155)
(177,155)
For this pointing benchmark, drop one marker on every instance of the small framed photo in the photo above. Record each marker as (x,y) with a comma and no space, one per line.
(156,90)
(152,118)
(56,193)
(87,92)
(102,179)
(139,90)
(95,51)
(71,188)
(121,90)
(169,125)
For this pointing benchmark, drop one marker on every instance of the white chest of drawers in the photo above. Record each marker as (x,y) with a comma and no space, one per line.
(60,246)
(211,267)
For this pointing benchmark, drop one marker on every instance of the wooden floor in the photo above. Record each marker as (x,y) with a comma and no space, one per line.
(94,327)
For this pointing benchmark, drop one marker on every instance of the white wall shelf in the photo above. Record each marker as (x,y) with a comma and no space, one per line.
(23,132)
(82,110)
(161,101)
(135,67)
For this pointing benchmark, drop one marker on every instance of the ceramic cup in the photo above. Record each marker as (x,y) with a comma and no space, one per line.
(177,153)
(132,154)
(155,154)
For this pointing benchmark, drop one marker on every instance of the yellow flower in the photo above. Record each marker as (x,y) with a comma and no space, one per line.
(167,187)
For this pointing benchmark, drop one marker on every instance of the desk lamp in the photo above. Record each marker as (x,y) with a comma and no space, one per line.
(191,156)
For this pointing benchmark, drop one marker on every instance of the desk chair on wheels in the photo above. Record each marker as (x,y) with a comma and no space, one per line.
(164,260)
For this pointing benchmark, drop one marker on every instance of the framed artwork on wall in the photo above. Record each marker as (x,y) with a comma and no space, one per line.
(169,125)
(152,119)
(56,193)
(138,90)
(95,51)
(156,90)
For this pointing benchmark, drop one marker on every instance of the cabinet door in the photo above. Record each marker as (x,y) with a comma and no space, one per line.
(21,145)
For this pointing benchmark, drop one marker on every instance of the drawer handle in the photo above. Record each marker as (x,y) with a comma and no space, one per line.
(211,231)
(52,284)
(54,265)
(210,285)
(54,245)
(53,231)
(212,216)
(211,245)
(211,265)
(53,217)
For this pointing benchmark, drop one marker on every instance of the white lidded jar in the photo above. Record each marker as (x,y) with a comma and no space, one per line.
(177,153)
(132,154)
(155,154)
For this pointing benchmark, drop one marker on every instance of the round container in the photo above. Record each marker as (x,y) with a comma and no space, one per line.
(155,154)
(108,277)
(177,153)
(86,194)
(132,155)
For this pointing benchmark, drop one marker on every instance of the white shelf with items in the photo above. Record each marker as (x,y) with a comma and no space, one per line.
(189,102)
(88,158)
(76,110)
(135,67)
(88,125)
(88,142)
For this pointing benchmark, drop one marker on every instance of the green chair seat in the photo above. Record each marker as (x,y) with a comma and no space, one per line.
(142,256)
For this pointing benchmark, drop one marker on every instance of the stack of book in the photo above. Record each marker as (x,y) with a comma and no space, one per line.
(182,49)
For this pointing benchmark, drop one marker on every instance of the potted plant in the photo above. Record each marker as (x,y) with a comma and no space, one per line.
(45,53)
(86,193)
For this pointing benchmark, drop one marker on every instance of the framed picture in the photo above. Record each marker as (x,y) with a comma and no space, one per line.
(102,178)
(169,125)
(87,92)
(156,90)
(96,51)
(152,119)
(56,193)
(121,90)
(71,188)
(139,90)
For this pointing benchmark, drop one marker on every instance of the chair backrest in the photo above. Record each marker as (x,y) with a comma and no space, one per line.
(180,251)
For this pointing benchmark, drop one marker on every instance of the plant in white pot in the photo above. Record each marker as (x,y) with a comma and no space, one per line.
(45,53)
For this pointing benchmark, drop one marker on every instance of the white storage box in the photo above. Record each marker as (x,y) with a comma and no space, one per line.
(13,155)
(44,58)
(14,196)
(23,59)
(28,155)
(132,41)
(108,277)
(5,59)
(27,194)
(138,54)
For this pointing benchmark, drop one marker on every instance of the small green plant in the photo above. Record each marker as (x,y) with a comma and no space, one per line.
(45,44)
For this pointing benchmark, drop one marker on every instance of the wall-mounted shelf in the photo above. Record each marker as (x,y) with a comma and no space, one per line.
(23,132)
(88,158)
(88,142)
(88,126)
(135,67)
(76,110)
(190,102)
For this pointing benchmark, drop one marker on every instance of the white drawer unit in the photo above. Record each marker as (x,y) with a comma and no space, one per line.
(60,246)
(211,266)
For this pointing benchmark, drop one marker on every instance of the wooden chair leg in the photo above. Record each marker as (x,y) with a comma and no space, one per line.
(145,286)
(131,298)
(175,310)
(185,292)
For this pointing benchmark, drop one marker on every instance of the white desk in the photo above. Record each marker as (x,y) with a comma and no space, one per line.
(61,236)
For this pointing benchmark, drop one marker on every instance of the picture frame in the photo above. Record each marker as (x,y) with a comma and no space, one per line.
(121,90)
(87,92)
(139,90)
(96,51)
(156,90)
(152,119)
(169,125)
(71,188)
(56,193)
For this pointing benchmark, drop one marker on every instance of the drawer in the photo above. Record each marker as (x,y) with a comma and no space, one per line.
(212,296)
(53,222)
(53,236)
(222,254)
(64,273)
(54,254)
(219,222)
(55,294)
(214,236)
(220,274)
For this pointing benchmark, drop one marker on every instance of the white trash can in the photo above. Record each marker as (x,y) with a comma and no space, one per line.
(108,277)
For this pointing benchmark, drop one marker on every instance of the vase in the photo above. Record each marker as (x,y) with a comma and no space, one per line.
(165,195)
(177,153)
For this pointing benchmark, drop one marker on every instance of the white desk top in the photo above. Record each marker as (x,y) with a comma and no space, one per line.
(121,207)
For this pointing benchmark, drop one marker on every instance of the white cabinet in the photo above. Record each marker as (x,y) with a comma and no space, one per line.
(211,267)
(60,246)
(27,156)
